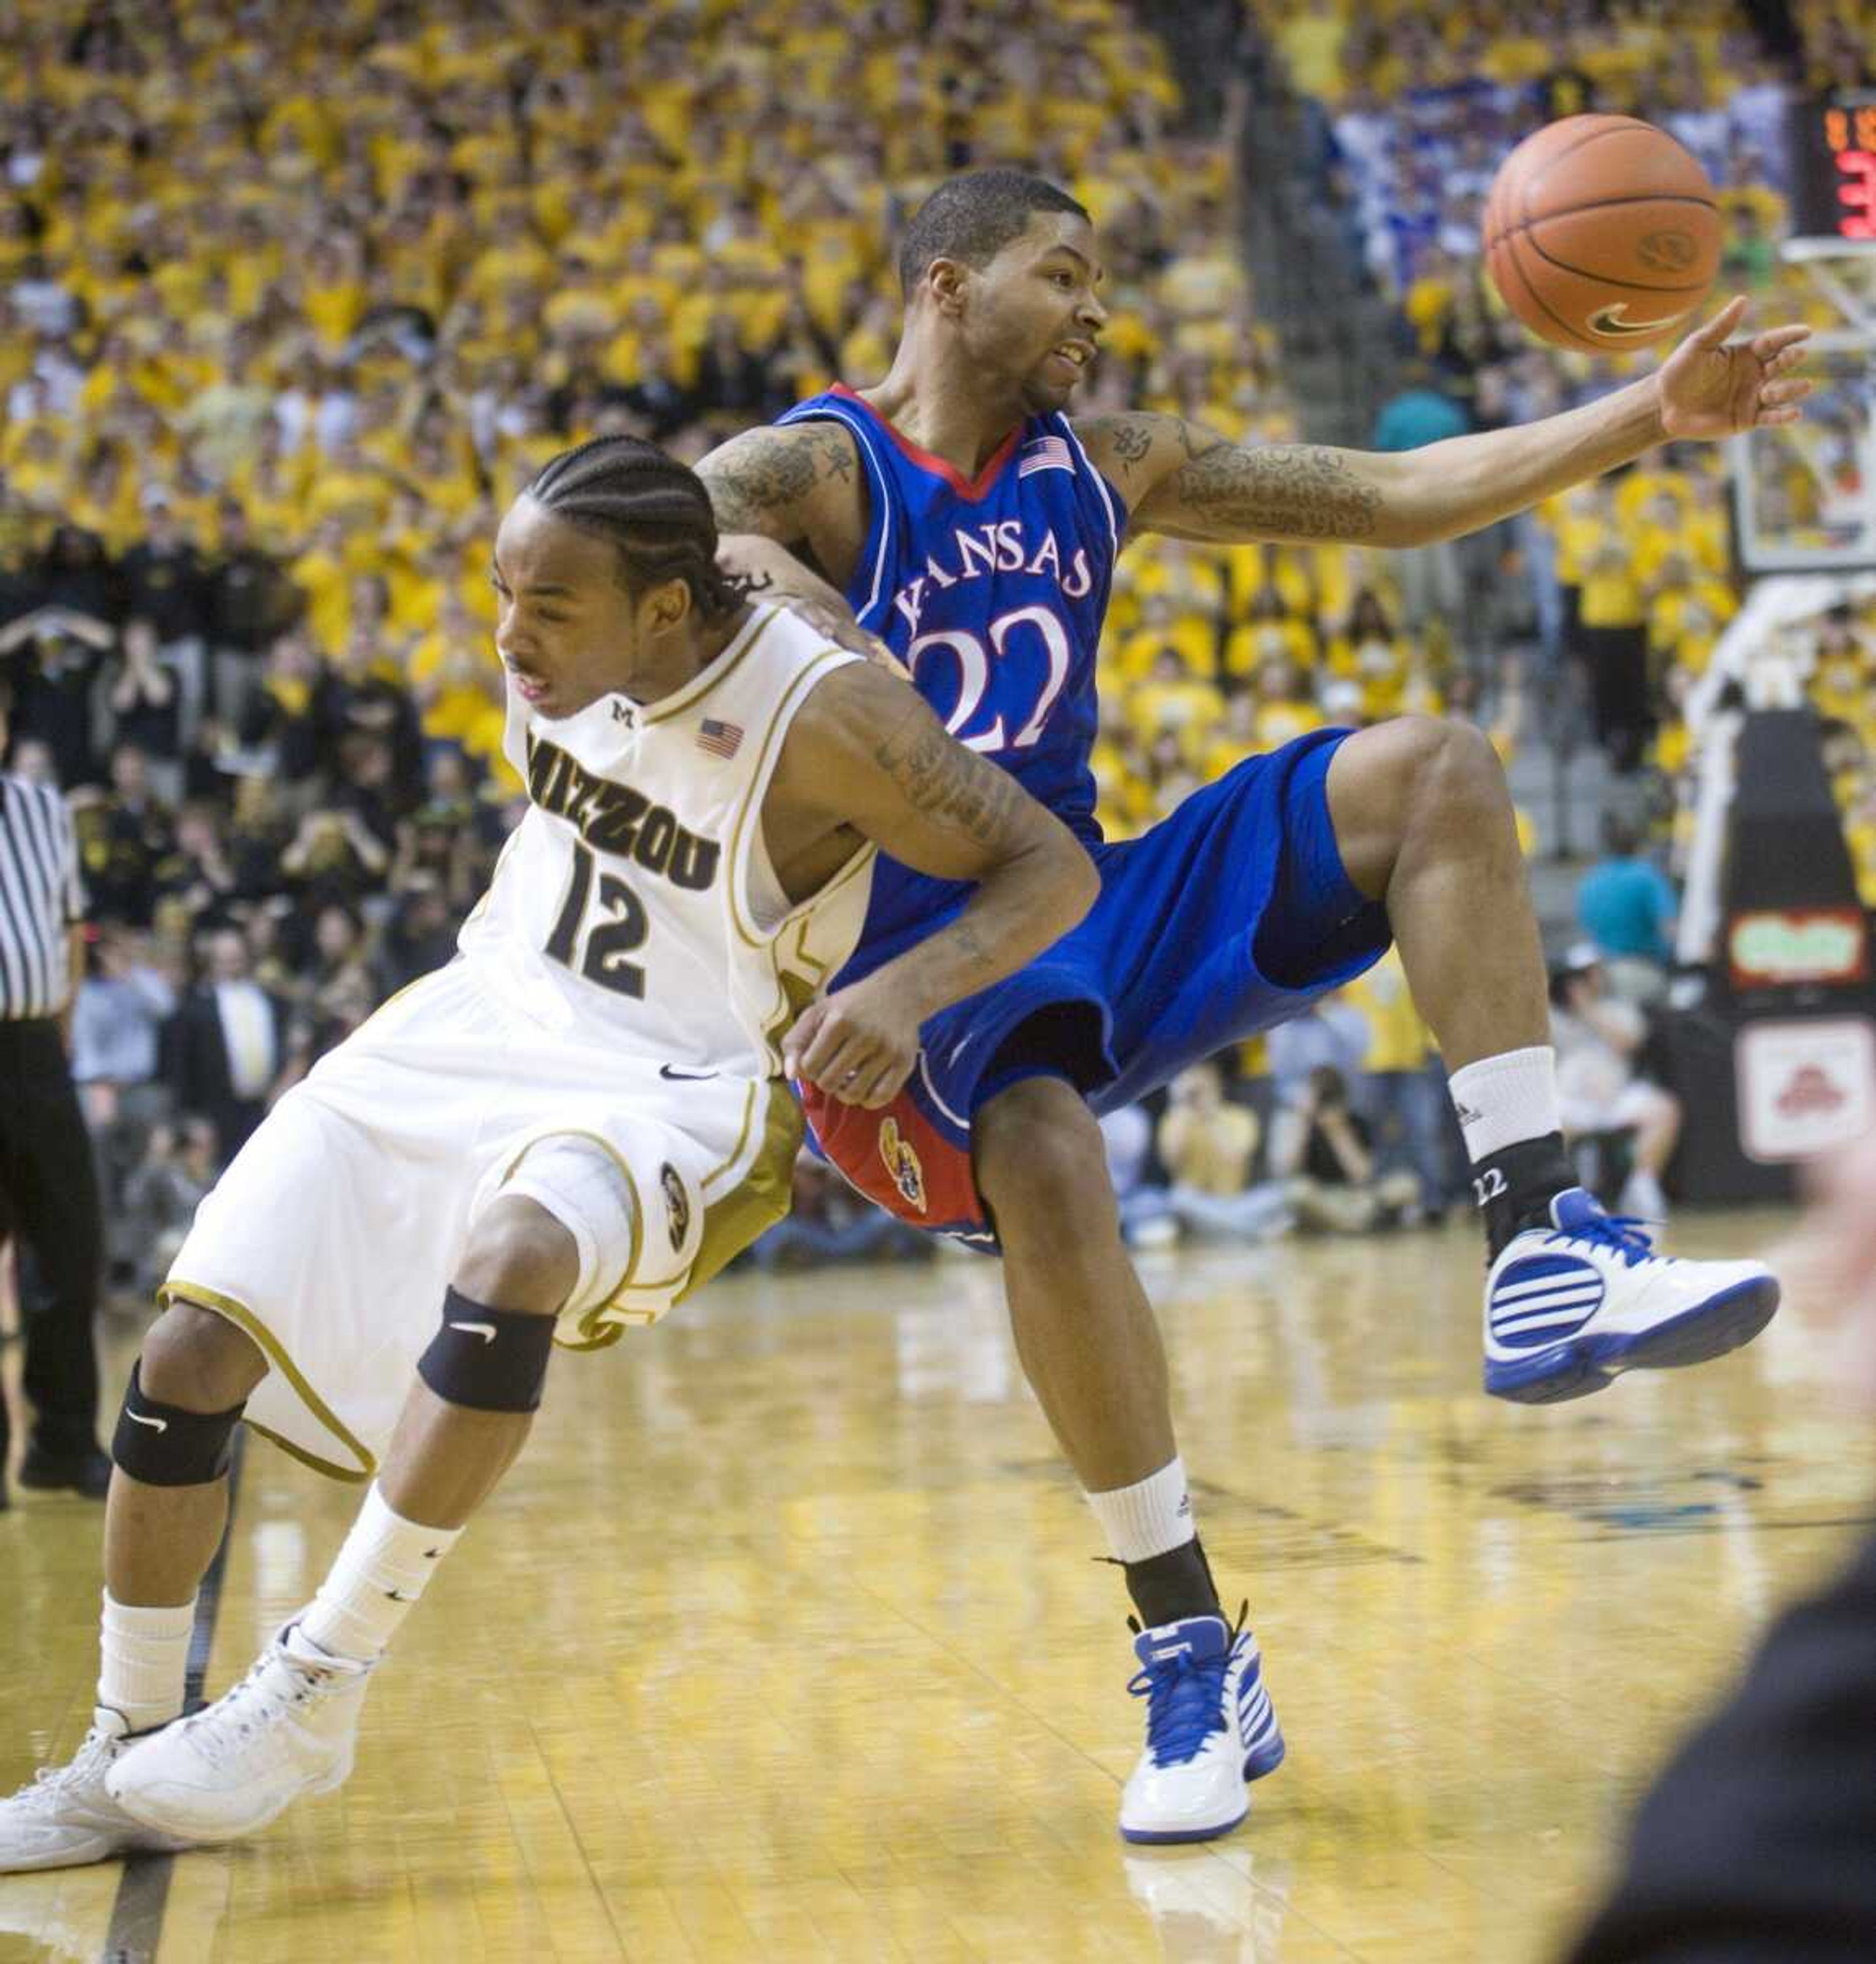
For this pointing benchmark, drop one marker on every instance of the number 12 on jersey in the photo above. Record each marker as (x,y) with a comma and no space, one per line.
(620,930)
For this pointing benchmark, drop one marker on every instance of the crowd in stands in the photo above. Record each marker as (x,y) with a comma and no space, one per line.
(254,444)
(1632,580)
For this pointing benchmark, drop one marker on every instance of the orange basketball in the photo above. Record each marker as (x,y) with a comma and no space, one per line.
(1601,232)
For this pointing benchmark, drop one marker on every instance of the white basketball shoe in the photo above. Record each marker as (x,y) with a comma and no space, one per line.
(1210,1726)
(1568,1307)
(288,1729)
(65,1818)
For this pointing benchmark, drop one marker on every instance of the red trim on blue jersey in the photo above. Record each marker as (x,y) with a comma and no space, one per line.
(972,488)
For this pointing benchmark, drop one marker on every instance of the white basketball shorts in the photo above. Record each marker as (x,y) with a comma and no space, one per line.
(331,1236)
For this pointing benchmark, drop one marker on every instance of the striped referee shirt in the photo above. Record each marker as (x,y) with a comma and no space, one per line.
(41,895)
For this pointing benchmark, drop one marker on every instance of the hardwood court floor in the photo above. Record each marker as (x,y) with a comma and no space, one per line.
(783,1642)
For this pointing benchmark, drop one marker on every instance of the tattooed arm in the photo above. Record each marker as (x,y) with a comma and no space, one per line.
(791,511)
(866,760)
(1191,483)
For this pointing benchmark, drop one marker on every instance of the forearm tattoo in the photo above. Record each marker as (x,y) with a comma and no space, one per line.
(947,784)
(969,946)
(764,472)
(1190,480)
(1293,490)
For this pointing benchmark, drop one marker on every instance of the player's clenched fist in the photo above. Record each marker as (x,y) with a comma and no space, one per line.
(858,1045)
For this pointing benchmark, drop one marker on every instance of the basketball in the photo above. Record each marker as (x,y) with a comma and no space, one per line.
(1601,232)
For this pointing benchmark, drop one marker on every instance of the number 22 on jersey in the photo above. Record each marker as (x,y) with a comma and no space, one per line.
(974,673)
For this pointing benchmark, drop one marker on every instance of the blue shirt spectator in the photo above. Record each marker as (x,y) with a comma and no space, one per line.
(117,1020)
(1626,903)
(1418,415)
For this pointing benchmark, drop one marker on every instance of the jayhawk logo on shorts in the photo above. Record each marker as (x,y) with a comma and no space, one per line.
(677,1205)
(902,1163)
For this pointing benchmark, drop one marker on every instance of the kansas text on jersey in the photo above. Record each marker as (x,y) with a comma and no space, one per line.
(992,591)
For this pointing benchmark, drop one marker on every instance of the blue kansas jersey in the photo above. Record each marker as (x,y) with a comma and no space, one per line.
(992,592)
(1228,916)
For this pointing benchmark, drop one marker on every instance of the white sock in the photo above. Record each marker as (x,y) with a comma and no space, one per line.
(1505,1100)
(143,1658)
(1150,1517)
(385,1565)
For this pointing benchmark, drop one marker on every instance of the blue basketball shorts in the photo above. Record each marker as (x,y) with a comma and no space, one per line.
(1232,915)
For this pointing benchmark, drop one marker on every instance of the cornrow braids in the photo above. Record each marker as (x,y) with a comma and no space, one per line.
(653,510)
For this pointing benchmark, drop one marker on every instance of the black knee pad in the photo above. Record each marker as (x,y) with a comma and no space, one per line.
(163,1446)
(487,1359)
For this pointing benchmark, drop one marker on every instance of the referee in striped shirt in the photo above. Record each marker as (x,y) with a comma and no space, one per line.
(48,1185)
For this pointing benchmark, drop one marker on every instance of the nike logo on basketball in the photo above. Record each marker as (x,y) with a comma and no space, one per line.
(484,1330)
(1614,320)
(154,1424)
(684,1076)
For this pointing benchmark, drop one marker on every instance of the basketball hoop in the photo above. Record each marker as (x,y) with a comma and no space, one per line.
(1844,272)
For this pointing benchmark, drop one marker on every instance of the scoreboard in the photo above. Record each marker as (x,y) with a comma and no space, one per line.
(1833,155)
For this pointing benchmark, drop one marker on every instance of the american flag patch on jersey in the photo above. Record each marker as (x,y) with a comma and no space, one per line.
(721,740)
(1045,453)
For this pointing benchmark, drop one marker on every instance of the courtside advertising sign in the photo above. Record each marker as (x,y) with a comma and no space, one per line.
(1806,1086)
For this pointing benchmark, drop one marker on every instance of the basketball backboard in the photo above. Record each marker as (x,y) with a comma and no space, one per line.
(1804,494)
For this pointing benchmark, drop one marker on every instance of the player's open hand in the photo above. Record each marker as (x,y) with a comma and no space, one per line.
(859,1045)
(1710,389)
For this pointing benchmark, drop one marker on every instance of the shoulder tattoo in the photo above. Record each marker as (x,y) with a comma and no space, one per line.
(768,470)
(1129,438)
(1135,439)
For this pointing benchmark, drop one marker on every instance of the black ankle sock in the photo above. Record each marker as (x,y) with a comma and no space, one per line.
(1516,1185)
(1168,1588)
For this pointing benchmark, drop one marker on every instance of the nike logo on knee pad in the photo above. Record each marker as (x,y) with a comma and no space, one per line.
(484,1330)
(154,1424)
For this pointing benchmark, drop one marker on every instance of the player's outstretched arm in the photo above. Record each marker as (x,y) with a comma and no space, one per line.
(1191,483)
(866,753)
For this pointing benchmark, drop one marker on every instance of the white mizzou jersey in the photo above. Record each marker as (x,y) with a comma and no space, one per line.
(635,902)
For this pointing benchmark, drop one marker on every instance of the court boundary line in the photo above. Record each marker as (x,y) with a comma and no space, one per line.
(142,1897)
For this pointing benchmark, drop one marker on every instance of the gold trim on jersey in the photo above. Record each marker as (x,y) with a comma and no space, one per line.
(800,917)
(726,664)
(716,1173)
(730,1222)
(593,1335)
(779,724)
(244,1319)
(759,1199)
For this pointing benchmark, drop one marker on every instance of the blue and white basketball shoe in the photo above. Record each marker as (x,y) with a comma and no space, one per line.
(1568,1307)
(1209,1728)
